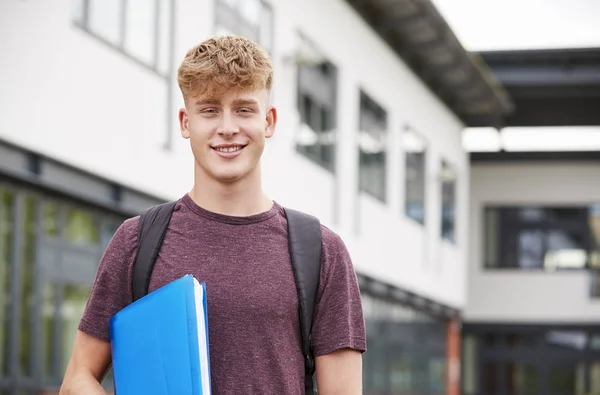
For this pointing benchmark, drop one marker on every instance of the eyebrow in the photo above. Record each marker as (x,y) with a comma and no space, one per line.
(238,102)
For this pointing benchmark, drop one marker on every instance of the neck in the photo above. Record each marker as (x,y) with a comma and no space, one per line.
(241,198)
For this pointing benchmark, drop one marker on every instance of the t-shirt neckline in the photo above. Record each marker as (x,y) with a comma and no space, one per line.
(229,219)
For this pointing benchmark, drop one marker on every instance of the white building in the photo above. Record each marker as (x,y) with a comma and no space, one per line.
(367,140)
(531,323)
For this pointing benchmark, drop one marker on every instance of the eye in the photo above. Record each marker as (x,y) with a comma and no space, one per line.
(245,110)
(209,111)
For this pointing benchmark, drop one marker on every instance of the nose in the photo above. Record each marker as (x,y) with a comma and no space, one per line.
(227,126)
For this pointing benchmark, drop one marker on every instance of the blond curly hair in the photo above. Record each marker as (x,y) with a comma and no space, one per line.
(222,63)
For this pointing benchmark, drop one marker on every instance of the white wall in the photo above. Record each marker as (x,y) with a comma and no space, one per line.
(506,295)
(80,101)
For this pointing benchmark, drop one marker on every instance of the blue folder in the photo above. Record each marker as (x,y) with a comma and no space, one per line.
(160,342)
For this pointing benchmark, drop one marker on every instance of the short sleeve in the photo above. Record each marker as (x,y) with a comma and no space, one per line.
(339,321)
(111,290)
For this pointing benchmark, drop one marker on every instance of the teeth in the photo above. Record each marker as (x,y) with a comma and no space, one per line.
(229,149)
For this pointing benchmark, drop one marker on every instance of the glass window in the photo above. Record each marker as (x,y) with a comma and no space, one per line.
(7,205)
(594,223)
(414,152)
(48,335)
(104,19)
(51,227)
(72,308)
(407,350)
(595,378)
(252,19)
(448,202)
(316,138)
(536,237)
(372,141)
(27,265)
(142,29)
(78,11)
(470,365)
(164,38)
(567,379)
(81,227)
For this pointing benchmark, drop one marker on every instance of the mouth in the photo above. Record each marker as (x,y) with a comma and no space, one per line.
(229,148)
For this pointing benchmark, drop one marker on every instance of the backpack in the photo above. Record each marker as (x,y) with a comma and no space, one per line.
(304,240)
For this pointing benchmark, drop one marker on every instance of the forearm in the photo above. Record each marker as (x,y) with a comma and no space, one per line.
(80,384)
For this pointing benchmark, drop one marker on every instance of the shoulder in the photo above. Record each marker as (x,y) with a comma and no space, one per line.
(128,231)
(332,242)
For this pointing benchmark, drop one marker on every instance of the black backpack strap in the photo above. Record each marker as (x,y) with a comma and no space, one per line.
(152,229)
(304,235)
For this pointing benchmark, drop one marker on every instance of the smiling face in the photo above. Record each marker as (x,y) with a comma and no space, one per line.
(227,134)
(226,82)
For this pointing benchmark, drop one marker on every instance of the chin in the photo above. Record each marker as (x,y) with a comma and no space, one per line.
(229,177)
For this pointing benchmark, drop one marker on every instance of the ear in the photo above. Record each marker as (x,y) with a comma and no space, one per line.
(184,123)
(271,122)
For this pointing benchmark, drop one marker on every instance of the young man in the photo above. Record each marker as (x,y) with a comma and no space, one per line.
(229,234)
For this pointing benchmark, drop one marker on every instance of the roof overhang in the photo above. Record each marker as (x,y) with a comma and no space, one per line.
(535,156)
(550,87)
(417,32)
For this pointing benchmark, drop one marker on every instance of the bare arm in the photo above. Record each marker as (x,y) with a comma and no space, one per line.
(88,364)
(339,372)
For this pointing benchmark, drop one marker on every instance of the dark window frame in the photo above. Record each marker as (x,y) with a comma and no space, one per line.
(84,24)
(316,102)
(509,224)
(368,105)
(448,213)
(416,159)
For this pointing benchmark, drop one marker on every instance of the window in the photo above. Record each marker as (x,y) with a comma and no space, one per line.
(252,19)
(448,202)
(407,350)
(537,237)
(141,29)
(372,139)
(317,109)
(414,153)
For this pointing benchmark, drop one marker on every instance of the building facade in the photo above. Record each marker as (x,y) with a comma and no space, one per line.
(89,137)
(532,320)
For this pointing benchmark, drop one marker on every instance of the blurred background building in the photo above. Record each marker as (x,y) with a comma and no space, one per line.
(390,130)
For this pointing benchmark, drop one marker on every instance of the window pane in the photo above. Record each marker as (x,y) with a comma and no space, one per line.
(594,223)
(105,19)
(51,219)
(27,291)
(567,379)
(531,248)
(72,308)
(140,29)
(48,343)
(165,31)
(414,151)
(81,227)
(595,378)
(7,206)
(372,145)
(77,8)
(470,365)
(448,202)
(565,249)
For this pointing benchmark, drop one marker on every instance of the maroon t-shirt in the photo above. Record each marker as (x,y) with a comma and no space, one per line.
(254,329)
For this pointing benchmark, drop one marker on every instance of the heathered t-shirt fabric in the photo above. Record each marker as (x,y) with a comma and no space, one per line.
(254,328)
